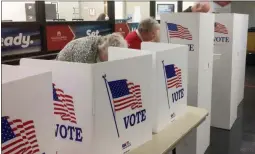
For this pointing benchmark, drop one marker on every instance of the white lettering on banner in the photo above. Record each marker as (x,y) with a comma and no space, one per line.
(24,41)
(69,132)
(92,33)
(135,118)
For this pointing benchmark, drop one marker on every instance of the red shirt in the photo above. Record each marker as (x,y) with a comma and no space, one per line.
(133,40)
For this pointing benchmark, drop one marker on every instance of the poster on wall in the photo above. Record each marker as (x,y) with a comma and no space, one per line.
(125,28)
(19,40)
(59,35)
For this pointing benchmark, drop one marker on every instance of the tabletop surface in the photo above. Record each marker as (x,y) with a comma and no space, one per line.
(172,134)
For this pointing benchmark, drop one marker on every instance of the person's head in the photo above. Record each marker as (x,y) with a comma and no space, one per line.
(149,29)
(114,40)
(201,7)
(102,16)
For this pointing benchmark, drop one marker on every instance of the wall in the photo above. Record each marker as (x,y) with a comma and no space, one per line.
(14,11)
(187,5)
(247,7)
(144,10)
(65,10)
(119,10)
(85,6)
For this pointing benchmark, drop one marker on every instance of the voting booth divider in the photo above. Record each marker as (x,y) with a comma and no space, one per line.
(26,94)
(197,31)
(229,67)
(100,107)
(170,68)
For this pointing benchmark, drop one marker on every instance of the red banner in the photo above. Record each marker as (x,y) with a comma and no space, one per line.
(222,3)
(122,28)
(58,36)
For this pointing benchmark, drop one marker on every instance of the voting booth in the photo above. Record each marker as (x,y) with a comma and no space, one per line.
(196,30)
(229,67)
(108,103)
(169,82)
(25,126)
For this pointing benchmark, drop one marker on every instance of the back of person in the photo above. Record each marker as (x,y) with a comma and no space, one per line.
(82,50)
(148,30)
(133,40)
(91,49)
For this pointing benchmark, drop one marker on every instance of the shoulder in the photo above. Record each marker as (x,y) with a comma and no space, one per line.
(132,36)
(79,50)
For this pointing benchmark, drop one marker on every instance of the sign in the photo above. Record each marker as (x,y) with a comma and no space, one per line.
(23,128)
(18,40)
(108,118)
(59,35)
(125,28)
(221,34)
(30,11)
(170,64)
(71,107)
(197,32)
(122,28)
(92,11)
(64,110)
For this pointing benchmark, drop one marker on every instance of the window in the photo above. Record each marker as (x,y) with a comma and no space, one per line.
(92,11)
(75,11)
(186,5)
(165,7)
(137,10)
(119,10)
(18,11)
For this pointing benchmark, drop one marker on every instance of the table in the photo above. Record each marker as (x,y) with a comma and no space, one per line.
(168,138)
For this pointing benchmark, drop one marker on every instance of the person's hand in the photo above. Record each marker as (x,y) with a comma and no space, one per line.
(201,7)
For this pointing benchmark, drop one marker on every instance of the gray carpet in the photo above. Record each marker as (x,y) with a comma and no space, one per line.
(241,138)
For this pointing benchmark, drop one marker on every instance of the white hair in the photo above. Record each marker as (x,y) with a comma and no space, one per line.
(114,40)
(148,25)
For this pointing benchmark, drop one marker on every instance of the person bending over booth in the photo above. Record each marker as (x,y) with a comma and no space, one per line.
(90,49)
(149,29)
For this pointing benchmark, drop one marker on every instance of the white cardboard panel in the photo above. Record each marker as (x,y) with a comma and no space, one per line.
(75,79)
(137,70)
(115,53)
(177,56)
(229,69)
(206,37)
(84,82)
(222,72)
(240,48)
(196,31)
(24,103)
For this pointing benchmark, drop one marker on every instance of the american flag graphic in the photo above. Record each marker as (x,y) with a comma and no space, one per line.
(174,76)
(63,105)
(18,137)
(178,31)
(220,28)
(125,94)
